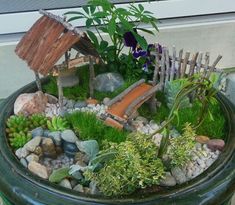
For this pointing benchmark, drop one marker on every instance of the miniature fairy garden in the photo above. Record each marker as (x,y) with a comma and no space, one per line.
(147,120)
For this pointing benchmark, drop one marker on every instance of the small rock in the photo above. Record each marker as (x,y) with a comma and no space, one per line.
(94,189)
(106,100)
(169,180)
(32,157)
(91,101)
(21,152)
(79,188)
(38,169)
(157,139)
(198,146)
(70,149)
(142,119)
(65,183)
(48,148)
(215,144)
(24,162)
(80,104)
(202,139)
(70,104)
(32,144)
(56,137)
(37,132)
(69,136)
(179,175)
(153,125)
(38,151)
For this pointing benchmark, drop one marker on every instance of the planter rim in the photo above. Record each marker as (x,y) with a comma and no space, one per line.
(219,178)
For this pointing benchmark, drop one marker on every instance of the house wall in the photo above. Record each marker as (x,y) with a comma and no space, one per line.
(215,37)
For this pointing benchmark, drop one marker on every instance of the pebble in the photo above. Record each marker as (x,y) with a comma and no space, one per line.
(168,180)
(106,100)
(80,104)
(79,188)
(179,175)
(38,169)
(38,151)
(48,148)
(65,183)
(70,149)
(157,139)
(37,132)
(24,162)
(56,137)
(69,136)
(32,157)
(215,144)
(153,125)
(142,119)
(21,152)
(202,139)
(32,144)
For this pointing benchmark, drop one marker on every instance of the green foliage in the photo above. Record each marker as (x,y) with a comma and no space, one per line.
(16,124)
(81,91)
(172,88)
(179,150)
(133,166)
(38,120)
(105,17)
(88,127)
(57,123)
(18,140)
(59,174)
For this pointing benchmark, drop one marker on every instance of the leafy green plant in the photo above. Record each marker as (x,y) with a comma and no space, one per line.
(59,174)
(179,149)
(18,140)
(105,17)
(88,127)
(134,165)
(171,90)
(57,123)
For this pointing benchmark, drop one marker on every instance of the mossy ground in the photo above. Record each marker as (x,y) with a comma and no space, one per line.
(212,128)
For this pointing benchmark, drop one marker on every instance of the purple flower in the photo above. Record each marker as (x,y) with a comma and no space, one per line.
(138,52)
(129,40)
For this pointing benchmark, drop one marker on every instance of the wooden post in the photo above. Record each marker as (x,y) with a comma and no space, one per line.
(173,70)
(38,81)
(185,63)
(92,77)
(167,66)
(60,92)
(157,67)
(162,75)
(192,64)
(179,64)
(199,63)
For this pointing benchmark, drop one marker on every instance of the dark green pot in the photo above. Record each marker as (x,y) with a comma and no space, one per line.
(215,186)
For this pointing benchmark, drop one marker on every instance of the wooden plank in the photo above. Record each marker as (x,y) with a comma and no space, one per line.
(212,68)
(162,73)
(206,68)
(173,70)
(28,40)
(193,63)
(184,66)
(141,99)
(199,63)
(48,39)
(179,64)
(157,67)
(167,66)
(82,60)
(125,92)
(57,50)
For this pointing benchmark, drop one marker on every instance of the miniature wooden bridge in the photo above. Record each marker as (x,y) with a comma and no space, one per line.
(127,102)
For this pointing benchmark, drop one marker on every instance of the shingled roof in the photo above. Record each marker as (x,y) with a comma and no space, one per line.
(48,39)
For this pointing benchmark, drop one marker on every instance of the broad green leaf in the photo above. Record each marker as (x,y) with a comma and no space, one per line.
(89,22)
(103,29)
(89,147)
(145,30)
(154,25)
(93,37)
(86,9)
(141,40)
(92,9)
(141,8)
(112,26)
(103,45)
(128,26)
(123,11)
(75,18)
(59,174)
(100,14)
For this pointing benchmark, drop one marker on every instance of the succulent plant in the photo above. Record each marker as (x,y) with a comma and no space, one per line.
(38,120)
(171,90)
(18,140)
(57,124)
(16,124)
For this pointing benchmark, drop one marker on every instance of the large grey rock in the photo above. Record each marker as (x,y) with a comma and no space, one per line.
(70,149)
(32,157)
(179,175)
(108,82)
(56,137)
(21,152)
(65,183)
(24,162)
(37,132)
(79,188)
(69,136)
